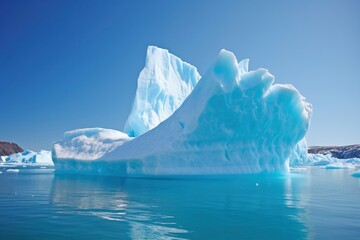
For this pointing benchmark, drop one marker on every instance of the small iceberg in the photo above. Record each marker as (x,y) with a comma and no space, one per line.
(298,169)
(356,173)
(28,158)
(339,166)
(327,161)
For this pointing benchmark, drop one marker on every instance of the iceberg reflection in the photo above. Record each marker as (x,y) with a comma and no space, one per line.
(248,207)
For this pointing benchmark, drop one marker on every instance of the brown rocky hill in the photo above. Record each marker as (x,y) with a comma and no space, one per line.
(7,148)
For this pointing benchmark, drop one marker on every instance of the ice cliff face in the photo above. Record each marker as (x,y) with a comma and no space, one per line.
(299,155)
(163,85)
(233,121)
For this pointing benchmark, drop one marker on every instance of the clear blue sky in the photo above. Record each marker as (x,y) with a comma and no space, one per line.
(74,64)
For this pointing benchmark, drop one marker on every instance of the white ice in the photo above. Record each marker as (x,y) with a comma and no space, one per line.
(30,157)
(330,162)
(3,158)
(163,85)
(89,143)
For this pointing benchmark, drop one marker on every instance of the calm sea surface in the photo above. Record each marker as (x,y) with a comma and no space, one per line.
(316,204)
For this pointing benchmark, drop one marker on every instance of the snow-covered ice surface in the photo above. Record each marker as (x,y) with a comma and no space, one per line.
(89,143)
(234,121)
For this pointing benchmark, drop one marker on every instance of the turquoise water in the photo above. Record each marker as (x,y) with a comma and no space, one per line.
(316,204)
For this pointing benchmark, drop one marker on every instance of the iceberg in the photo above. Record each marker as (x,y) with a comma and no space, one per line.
(356,174)
(29,157)
(330,162)
(339,165)
(230,121)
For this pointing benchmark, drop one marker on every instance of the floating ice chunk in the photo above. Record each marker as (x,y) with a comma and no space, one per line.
(163,85)
(12,170)
(233,122)
(339,165)
(356,174)
(329,161)
(298,169)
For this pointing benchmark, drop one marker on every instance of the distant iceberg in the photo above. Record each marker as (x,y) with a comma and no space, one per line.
(29,157)
(356,174)
(231,121)
(330,162)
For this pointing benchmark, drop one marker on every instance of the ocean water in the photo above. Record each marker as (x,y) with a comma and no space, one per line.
(315,204)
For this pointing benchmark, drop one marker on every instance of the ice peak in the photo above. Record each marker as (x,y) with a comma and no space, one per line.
(153,54)
(226,69)
(163,85)
(244,66)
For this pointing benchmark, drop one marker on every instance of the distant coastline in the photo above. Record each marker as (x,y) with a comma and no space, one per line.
(8,148)
(341,152)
